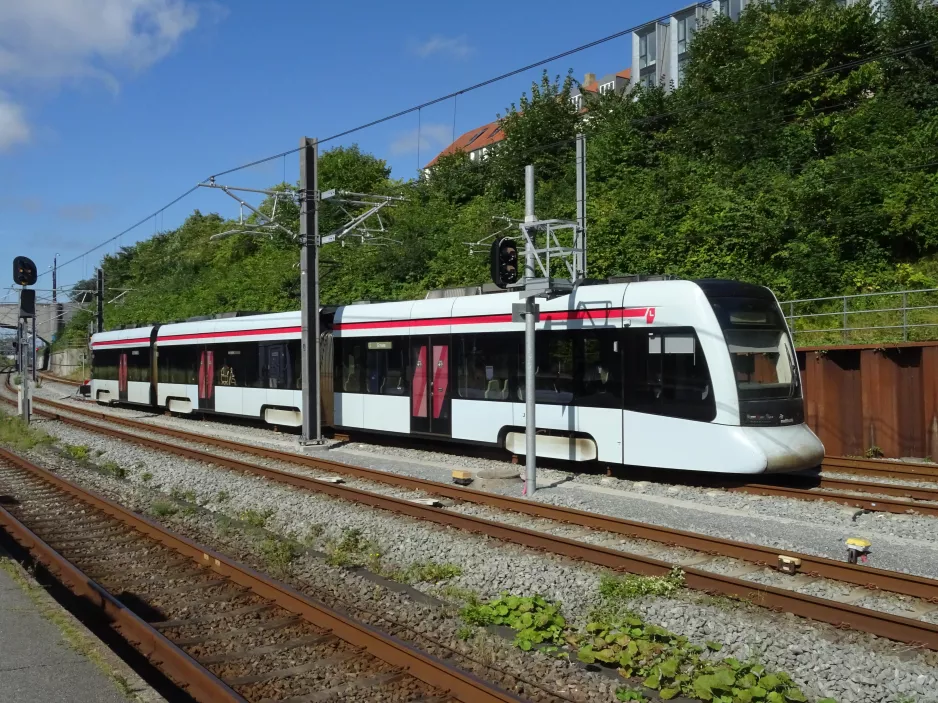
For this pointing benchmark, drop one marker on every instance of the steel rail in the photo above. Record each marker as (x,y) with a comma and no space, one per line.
(901,629)
(867,577)
(59,379)
(910,471)
(875,505)
(458,684)
(200,683)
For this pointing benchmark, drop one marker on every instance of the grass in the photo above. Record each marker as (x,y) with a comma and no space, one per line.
(162,508)
(255,518)
(427,572)
(19,436)
(620,588)
(74,636)
(222,496)
(146,476)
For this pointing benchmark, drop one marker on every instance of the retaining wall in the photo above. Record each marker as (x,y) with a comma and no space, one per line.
(878,397)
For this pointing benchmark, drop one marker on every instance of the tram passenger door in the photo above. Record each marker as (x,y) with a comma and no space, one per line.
(122,377)
(430,393)
(207,380)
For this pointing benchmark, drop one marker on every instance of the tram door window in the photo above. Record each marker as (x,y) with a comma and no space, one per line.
(349,372)
(666,373)
(275,369)
(599,369)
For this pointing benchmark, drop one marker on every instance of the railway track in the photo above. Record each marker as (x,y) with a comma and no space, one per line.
(59,379)
(782,486)
(898,628)
(220,630)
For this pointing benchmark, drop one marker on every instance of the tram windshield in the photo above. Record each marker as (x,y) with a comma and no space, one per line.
(764,361)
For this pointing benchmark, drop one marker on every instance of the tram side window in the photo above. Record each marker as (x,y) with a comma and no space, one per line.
(486,365)
(554,376)
(235,365)
(104,364)
(386,366)
(138,365)
(179,364)
(294,348)
(667,374)
(349,371)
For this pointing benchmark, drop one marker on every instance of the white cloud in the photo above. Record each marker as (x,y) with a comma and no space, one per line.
(457,47)
(45,43)
(13,126)
(430,137)
(55,40)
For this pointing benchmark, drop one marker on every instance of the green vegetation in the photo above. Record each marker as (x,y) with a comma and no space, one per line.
(19,436)
(255,518)
(146,476)
(78,452)
(182,496)
(353,548)
(222,497)
(535,619)
(113,469)
(663,661)
(279,554)
(162,508)
(634,586)
(819,180)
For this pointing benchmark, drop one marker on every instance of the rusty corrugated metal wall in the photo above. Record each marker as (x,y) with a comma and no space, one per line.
(862,397)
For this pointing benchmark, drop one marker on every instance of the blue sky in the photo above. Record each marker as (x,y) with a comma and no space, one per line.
(111,108)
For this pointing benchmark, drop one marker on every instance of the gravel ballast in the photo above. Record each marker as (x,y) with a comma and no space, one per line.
(825,661)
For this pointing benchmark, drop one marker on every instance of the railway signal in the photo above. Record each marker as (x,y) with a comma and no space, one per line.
(24,271)
(504,262)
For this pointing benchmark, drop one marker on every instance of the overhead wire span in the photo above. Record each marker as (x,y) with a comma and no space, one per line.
(129,229)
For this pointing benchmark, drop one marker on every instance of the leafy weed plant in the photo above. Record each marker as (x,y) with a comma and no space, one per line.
(279,555)
(672,666)
(78,452)
(353,548)
(535,619)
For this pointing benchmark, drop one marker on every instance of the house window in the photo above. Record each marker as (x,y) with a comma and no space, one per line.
(681,68)
(646,50)
(648,80)
(577,101)
(607,87)
(682,35)
(725,7)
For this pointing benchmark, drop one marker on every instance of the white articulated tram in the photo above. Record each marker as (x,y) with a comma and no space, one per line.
(693,375)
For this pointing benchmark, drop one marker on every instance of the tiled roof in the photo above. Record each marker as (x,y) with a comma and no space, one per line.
(477,138)
(492,133)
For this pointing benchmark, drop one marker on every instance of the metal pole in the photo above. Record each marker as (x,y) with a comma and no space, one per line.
(579,257)
(905,317)
(99,323)
(844,333)
(530,364)
(309,290)
(24,370)
(32,350)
